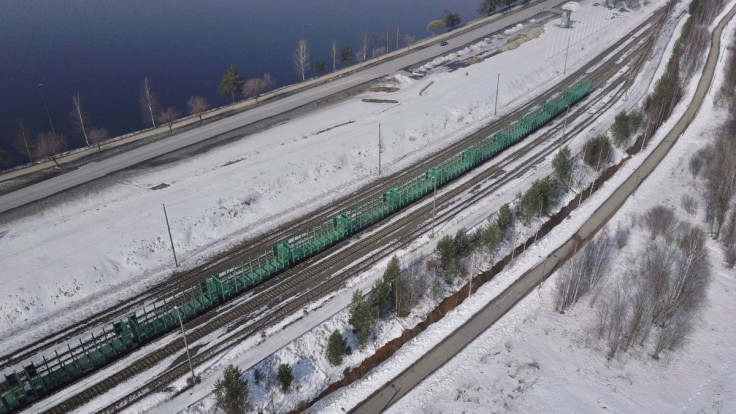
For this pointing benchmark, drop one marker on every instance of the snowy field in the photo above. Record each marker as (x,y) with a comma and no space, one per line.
(536,360)
(94,246)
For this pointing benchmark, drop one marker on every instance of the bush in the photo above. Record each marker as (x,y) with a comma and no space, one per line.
(257,376)
(695,165)
(285,376)
(660,220)
(689,204)
(230,392)
(621,236)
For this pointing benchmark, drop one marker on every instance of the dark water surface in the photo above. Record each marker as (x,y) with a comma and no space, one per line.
(104,48)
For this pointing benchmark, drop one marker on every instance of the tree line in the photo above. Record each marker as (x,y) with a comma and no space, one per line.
(49,144)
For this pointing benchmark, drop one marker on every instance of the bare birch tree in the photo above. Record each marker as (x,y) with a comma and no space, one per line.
(79,118)
(149,103)
(197,106)
(364,49)
(253,88)
(335,52)
(728,240)
(302,55)
(22,141)
(97,136)
(50,145)
(168,116)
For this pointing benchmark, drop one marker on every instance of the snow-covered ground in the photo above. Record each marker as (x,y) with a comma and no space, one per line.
(536,360)
(72,254)
(307,352)
(305,170)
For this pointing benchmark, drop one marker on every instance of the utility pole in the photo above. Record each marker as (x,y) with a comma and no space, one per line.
(470,278)
(379,149)
(170,238)
(43,97)
(498,80)
(184,335)
(398,296)
(434,205)
(564,70)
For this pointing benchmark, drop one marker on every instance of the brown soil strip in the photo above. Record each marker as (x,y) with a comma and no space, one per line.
(333,127)
(160,186)
(232,162)
(382,89)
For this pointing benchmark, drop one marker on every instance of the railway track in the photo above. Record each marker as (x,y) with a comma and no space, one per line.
(398,231)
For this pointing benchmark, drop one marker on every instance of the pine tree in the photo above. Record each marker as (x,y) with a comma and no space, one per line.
(490,238)
(452,20)
(563,166)
(392,276)
(597,151)
(361,317)
(385,290)
(231,84)
(504,218)
(336,348)
(285,376)
(319,66)
(231,393)
(346,55)
(620,129)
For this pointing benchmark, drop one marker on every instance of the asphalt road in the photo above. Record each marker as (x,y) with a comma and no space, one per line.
(95,170)
(486,317)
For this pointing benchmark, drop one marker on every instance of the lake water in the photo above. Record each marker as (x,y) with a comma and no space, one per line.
(104,48)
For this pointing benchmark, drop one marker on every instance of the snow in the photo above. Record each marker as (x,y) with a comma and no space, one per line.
(246,188)
(307,351)
(73,254)
(535,360)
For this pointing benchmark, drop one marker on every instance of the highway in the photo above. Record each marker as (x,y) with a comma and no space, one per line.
(95,170)
(486,317)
